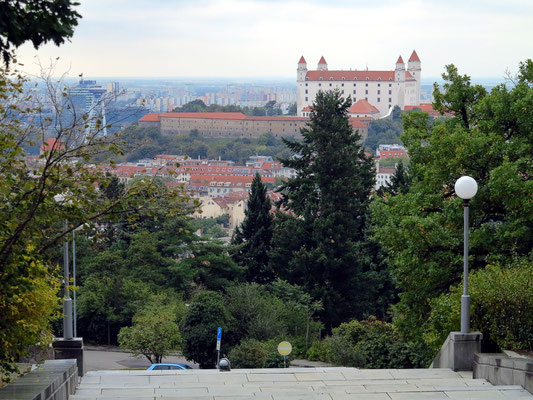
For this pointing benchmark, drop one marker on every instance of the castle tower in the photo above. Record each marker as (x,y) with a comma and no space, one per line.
(414,67)
(301,72)
(322,64)
(399,77)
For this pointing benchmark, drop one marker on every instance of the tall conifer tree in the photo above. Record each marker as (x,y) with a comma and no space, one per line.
(254,235)
(329,198)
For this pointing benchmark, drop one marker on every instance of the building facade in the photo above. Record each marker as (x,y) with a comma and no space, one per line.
(382,89)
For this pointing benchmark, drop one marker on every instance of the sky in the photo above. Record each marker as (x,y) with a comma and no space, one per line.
(265,38)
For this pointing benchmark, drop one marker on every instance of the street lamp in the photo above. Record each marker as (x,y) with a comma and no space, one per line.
(67,301)
(465,188)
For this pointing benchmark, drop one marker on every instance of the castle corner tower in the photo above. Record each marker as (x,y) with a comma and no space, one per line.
(415,69)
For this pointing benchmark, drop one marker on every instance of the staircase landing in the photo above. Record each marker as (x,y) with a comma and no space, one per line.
(292,384)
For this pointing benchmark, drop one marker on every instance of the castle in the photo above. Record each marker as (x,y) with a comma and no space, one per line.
(382,89)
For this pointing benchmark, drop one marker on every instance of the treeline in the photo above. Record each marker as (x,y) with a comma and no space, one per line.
(270,108)
(143,143)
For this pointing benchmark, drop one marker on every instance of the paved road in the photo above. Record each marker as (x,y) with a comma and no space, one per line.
(105,359)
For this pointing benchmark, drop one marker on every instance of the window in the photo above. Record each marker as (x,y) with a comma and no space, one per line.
(330,78)
(305,91)
(378,100)
(342,84)
(321,78)
(379,91)
(366,91)
(390,84)
(342,92)
(305,83)
(390,99)
(354,99)
(354,91)
(366,98)
(319,84)
(366,84)
(330,84)
(390,91)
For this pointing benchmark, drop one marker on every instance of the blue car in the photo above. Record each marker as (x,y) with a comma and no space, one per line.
(166,367)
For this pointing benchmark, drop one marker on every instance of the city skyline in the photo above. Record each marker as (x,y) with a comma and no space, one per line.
(252,38)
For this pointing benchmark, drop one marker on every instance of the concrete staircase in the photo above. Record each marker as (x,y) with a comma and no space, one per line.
(292,384)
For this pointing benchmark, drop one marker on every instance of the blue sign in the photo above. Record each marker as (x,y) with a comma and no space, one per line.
(219,334)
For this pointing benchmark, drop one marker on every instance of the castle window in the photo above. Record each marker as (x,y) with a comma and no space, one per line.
(379,91)
(306,78)
(342,92)
(354,99)
(343,78)
(305,83)
(321,78)
(354,91)
(319,84)
(366,91)
(379,84)
(355,78)
(390,79)
(390,99)
(390,91)
(379,79)
(366,84)
(367,78)
(330,84)
(342,84)
(379,100)
(305,91)
(306,99)
(330,78)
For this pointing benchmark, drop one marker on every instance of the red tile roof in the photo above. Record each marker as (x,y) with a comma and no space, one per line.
(414,56)
(363,107)
(302,60)
(354,76)
(308,108)
(400,60)
(357,123)
(155,117)
(322,60)
(426,107)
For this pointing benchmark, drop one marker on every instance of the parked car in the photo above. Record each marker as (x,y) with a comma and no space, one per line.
(160,367)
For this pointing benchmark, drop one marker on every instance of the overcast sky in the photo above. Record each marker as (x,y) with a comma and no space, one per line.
(265,38)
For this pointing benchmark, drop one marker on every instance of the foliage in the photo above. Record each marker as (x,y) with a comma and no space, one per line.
(319,351)
(399,182)
(205,315)
(154,333)
(29,304)
(32,220)
(341,352)
(502,307)
(194,106)
(250,353)
(252,238)
(383,131)
(488,138)
(148,142)
(319,246)
(38,21)
(211,226)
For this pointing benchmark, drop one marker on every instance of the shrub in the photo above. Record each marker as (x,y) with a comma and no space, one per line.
(319,351)
(502,307)
(250,353)
(341,352)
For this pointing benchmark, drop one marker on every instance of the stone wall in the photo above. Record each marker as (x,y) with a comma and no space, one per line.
(54,380)
(500,369)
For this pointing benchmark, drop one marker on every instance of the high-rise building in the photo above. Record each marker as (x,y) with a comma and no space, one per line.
(87,99)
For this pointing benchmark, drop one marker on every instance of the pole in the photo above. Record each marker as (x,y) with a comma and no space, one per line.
(465,298)
(74,281)
(67,301)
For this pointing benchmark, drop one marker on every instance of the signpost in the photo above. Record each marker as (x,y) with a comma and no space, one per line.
(284,348)
(219,338)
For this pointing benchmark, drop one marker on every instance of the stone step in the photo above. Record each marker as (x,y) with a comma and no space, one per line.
(292,384)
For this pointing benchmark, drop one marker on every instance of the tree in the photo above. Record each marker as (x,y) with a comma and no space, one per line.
(330,197)
(38,21)
(399,183)
(32,220)
(154,333)
(199,326)
(253,236)
(488,138)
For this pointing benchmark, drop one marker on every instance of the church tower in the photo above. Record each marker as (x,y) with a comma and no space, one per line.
(322,64)
(413,66)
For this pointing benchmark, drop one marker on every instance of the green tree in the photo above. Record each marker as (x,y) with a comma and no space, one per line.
(253,236)
(330,197)
(399,183)
(155,332)
(38,21)
(199,326)
(488,138)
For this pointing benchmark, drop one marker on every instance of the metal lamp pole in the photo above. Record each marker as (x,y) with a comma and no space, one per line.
(465,188)
(67,301)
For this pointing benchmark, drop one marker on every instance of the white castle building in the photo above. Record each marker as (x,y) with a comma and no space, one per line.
(382,89)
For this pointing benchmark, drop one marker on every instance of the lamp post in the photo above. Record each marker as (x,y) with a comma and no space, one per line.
(465,188)
(67,301)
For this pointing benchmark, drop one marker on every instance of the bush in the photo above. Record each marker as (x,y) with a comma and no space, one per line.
(502,307)
(319,351)
(250,353)
(343,353)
